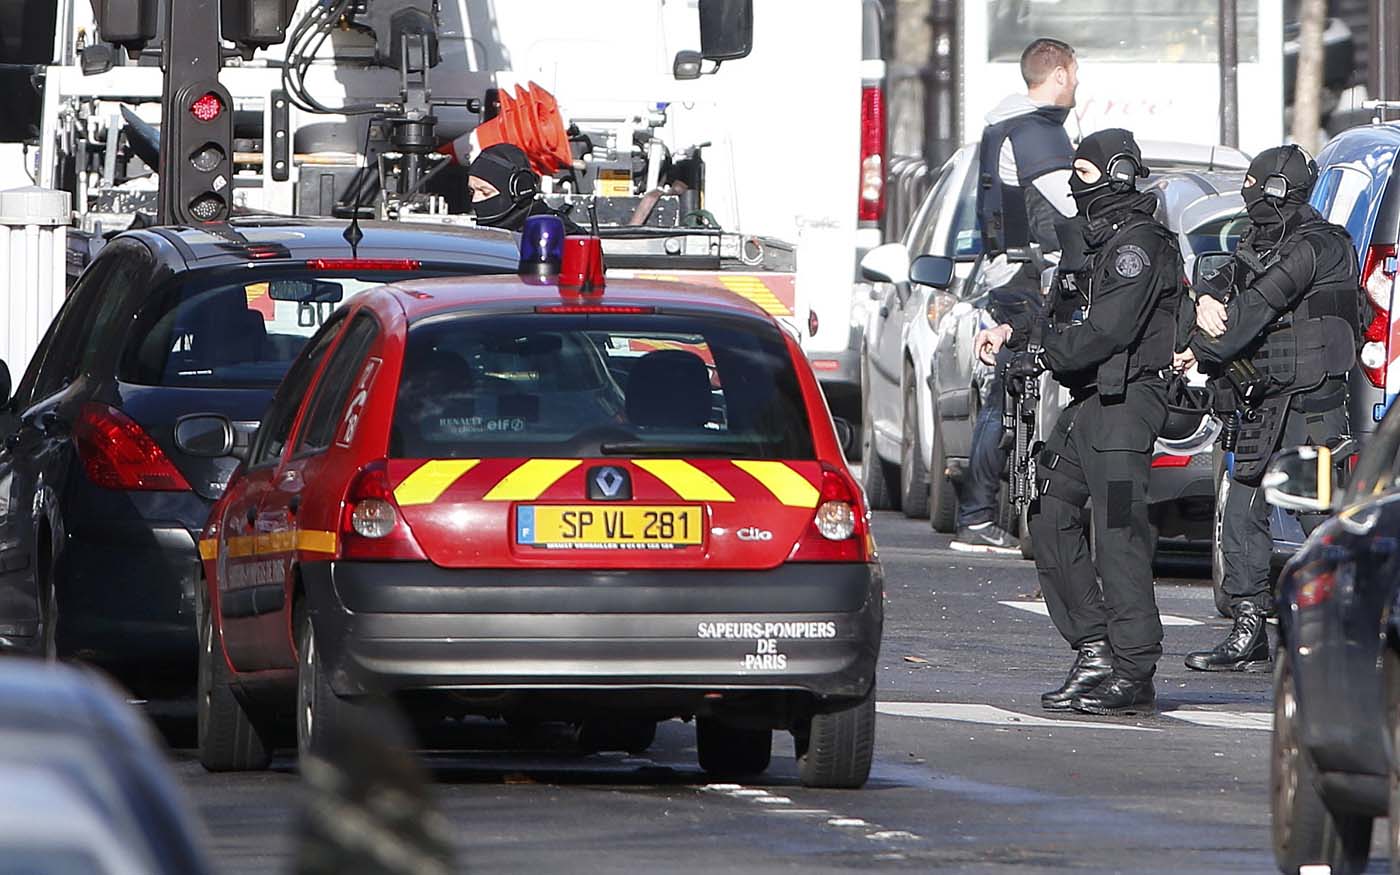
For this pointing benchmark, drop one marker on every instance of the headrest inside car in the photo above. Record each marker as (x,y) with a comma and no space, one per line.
(669,388)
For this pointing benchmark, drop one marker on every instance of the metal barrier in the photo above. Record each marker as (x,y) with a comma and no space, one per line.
(906,185)
(33,247)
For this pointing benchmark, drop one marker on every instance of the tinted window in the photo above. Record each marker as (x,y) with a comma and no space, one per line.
(1349,196)
(331,394)
(277,424)
(212,332)
(1217,235)
(572,386)
(919,240)
(965,237)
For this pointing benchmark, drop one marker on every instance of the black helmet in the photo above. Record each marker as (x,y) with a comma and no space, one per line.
(1190,427)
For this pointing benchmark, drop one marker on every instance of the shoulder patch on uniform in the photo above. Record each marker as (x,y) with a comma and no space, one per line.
(1130,260)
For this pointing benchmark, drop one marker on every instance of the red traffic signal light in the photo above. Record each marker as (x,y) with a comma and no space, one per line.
(207,108)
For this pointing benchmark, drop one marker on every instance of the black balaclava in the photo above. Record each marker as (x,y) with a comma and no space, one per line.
(1296,169)
(506,167)
(1100,149)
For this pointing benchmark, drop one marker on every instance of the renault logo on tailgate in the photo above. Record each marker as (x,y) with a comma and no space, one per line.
(609,483)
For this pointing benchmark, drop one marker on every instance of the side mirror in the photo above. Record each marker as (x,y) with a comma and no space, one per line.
(207,435)
(931,270)
(5,386)
(1208,266)
(1300,479)
(886,264)
(726,29)
(686,65)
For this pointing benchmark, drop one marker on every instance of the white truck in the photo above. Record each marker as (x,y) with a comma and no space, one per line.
(790,132)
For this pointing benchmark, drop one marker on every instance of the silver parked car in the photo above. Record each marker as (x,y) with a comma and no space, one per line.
(923,382)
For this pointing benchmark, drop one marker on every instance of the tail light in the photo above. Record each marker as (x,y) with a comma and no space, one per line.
(364,264)
(117,453)
(371,526)
(1377,278)
(840,529)
(1170,460)
(872,154)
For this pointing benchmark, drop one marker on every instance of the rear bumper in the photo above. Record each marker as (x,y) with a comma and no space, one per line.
(806,634)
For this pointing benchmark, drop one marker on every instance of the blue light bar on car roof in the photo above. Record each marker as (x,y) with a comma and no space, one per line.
(541,246)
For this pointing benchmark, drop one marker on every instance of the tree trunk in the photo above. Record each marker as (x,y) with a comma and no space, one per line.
(1307,96)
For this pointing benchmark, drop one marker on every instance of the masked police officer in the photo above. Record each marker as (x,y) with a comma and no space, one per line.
(1110,332)
(1279,327)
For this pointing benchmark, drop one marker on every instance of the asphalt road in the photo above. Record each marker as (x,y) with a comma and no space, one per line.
(970,774)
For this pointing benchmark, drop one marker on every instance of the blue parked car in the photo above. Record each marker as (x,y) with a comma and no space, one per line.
(1337,675)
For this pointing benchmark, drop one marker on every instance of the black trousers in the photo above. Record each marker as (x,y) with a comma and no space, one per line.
(1101,454)
(979,489)
(1246,543)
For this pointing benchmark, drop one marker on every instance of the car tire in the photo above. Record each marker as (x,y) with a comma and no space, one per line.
(321,714)
(913,475)
(1217,555)
(942,498)
(836,750)
(1305,831)
(875,474)
(730,751)
(229,739)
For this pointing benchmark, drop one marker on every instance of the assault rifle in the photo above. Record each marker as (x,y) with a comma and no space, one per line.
(1018,424)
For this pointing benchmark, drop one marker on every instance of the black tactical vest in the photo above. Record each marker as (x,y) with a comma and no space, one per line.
(1318,339)
(1156,340)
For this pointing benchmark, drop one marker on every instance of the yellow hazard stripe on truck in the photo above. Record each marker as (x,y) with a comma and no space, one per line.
(531,479)
(426,484)
(788,486)
(686,480)
(209,548)
(756,290)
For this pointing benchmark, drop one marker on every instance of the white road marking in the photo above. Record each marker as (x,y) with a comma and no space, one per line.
(1038,607)
(989,715)
(776,804)
(1263,720)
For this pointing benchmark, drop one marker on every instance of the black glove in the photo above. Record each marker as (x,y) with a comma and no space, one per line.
(1019,368)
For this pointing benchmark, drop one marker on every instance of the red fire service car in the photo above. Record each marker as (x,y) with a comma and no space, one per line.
(538,498)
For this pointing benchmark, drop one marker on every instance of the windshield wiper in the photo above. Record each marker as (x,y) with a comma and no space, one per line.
(652,448)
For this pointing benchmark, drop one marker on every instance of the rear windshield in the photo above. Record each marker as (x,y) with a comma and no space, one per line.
(588,385)
(211,332)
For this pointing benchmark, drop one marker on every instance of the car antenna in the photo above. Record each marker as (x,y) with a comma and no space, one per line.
(353,235)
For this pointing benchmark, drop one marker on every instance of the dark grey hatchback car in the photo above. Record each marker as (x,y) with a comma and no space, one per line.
(107,468)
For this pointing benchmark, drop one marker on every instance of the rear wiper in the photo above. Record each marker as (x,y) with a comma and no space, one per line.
(651,448)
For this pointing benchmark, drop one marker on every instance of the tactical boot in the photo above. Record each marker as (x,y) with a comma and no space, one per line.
(1092,664)
(1119,695)
(1246,648)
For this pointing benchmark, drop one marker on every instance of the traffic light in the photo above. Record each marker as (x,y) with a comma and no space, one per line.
(197,140)
(255,24)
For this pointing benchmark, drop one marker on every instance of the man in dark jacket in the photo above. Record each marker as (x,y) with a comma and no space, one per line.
(1023,191)
(1278,326)
(1109,333)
